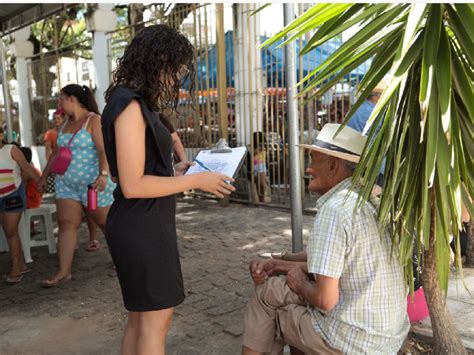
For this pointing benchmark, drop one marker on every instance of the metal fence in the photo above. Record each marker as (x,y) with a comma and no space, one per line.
(63,57)
(241,95)
(240,89)
(48,73)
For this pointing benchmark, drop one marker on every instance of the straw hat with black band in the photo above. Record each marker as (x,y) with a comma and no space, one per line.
(348,144)
(379,88)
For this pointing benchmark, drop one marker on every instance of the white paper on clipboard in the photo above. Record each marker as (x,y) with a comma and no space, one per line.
(224,163)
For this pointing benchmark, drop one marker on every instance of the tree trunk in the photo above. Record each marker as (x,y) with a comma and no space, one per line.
(470,244)
(135,18)
(447,339)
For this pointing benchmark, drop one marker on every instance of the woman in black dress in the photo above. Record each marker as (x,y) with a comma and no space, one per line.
(140,229)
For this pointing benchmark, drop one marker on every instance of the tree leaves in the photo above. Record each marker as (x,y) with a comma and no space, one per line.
(423,122)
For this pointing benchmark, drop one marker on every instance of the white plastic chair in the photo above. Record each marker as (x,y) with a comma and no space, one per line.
(44,211)
(38,156)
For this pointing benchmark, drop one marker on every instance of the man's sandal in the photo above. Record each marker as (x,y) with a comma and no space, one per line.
(94,245)
(50,283)
(280,255)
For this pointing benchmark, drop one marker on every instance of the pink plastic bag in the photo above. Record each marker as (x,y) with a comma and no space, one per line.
(418,309)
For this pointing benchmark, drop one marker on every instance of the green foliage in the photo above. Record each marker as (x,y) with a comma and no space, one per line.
(425,114)
(66,31)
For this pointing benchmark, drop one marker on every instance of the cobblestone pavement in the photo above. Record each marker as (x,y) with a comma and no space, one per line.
(87,314)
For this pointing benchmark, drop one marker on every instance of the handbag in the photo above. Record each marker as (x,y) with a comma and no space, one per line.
(63,157)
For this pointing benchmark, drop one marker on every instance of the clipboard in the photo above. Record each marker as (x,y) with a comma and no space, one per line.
(227,163)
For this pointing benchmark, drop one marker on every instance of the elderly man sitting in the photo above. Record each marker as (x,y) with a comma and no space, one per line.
(345,294)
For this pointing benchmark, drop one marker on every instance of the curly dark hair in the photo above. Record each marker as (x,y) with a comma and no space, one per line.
(157,62)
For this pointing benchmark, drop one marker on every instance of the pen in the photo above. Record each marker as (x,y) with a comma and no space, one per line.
(202,165)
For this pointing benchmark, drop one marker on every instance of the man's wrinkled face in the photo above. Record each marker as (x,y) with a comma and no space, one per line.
(375,96)
(321,169)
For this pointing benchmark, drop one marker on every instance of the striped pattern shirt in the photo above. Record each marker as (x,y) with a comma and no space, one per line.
(10,173)
(371,316)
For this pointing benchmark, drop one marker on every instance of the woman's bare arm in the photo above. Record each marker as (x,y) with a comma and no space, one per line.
(130,129)
(48,149)
(19,157)
(178,147)
(98,139)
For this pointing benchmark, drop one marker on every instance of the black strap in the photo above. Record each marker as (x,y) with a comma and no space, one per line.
(330,146)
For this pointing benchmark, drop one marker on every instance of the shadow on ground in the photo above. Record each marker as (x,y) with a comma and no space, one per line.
(87,314)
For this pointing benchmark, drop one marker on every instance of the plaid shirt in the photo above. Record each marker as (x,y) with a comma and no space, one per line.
(371,315)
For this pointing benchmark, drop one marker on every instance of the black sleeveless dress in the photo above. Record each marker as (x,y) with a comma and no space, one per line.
(141,233)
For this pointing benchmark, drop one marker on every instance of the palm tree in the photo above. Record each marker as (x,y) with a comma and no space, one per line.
(422,125)
(470,244)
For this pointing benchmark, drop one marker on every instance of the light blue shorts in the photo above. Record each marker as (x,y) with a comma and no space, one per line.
(66,189)
(259,168)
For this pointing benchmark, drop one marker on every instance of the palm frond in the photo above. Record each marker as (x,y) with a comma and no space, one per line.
(422,123)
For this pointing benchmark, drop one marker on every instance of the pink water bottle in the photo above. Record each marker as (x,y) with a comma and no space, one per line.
(91,198)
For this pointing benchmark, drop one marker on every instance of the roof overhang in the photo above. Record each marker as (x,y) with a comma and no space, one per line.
(16,16)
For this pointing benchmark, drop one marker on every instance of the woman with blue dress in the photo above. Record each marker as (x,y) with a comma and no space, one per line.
(88,166)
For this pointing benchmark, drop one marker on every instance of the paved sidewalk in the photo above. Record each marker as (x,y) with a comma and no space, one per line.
(86,316)
(461,306)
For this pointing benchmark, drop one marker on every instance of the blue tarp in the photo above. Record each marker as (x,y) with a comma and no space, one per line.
(273,62)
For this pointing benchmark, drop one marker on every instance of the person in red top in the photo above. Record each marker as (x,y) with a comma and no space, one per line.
(33,196)
(51,136)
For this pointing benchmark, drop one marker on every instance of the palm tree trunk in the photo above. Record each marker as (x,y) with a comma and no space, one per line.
(447,339)
(470,244)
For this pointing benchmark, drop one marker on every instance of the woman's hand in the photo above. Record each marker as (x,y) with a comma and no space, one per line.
(181,167)
(42,183)
(215,183)
(100,183)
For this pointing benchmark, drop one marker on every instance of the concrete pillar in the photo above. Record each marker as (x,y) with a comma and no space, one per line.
(248,73)
(101,21)
(6,94)
(22,49)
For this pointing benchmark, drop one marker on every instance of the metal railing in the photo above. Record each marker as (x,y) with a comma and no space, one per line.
(246,105)
(240,90)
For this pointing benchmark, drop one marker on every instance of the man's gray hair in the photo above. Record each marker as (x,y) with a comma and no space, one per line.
(350,165)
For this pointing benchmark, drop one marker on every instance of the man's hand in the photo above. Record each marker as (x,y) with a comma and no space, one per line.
(296,278)
(260,270)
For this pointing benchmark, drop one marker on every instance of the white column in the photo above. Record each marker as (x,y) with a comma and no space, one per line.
(248,73)
(22,48)
(102,20)
(26,126)
(101,67)
(6,94)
